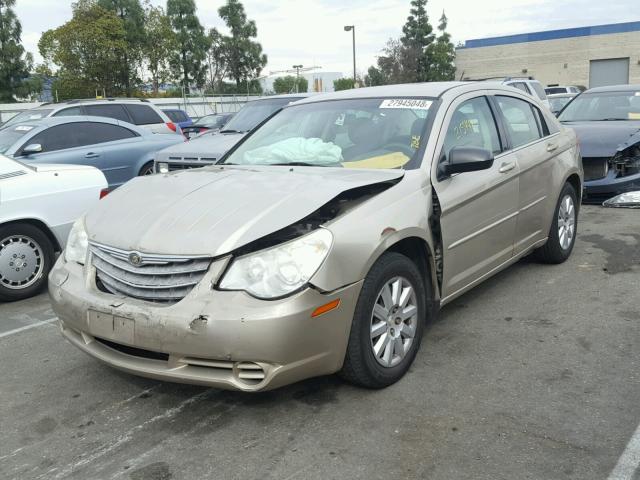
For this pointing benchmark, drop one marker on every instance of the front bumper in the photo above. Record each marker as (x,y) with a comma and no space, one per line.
(601,189)
(227,340)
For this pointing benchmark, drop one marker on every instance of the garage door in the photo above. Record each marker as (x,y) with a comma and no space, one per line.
(613,71)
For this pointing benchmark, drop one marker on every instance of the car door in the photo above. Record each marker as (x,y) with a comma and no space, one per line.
(478,209)
(118,147)
(62,144)
(535,149)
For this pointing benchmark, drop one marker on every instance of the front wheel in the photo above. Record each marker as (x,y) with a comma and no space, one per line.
(26,256)
(387,325)
(562,236)
(147,169)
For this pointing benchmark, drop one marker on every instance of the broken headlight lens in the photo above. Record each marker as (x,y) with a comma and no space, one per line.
(77,243)
(281,270)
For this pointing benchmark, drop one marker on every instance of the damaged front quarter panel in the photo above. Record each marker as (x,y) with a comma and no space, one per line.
(626,160)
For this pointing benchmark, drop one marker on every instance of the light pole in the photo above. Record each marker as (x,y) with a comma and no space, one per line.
(352,29)
(297,67)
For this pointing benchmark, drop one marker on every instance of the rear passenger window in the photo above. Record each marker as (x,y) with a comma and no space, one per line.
(539,90)
(143,114)
(520,120)
(92,133)
(110,111)
(521,86)
(472,125)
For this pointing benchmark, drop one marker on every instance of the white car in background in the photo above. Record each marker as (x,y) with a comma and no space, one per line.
(38,206)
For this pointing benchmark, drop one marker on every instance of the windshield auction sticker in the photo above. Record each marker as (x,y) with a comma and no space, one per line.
(408,103)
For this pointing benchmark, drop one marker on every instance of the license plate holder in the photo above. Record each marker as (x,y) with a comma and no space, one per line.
(112,327)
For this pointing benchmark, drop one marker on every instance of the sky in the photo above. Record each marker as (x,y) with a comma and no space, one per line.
(310,32)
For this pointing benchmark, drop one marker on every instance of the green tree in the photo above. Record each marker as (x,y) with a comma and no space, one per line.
(288,84)
(217,64)
(133,19)
(188,59)
(244,55)
(159,43)
(374,77)
(87,50)
(343,84)
(14,63)
(416,41)
(442,54)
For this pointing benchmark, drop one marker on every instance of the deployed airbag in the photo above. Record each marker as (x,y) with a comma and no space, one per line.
(298,149)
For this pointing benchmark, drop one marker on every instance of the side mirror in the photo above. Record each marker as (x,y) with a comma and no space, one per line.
(465,159)
(32,148)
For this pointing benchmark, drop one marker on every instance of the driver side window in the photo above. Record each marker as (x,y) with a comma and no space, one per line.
(472,125)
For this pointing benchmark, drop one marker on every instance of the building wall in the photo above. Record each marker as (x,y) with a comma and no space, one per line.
(561,61)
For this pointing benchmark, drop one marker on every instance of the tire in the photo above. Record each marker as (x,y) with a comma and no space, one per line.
(147,169)
(30,246)
(562,236)
(362,366)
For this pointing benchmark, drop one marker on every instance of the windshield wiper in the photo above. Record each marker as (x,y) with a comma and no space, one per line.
(230,131)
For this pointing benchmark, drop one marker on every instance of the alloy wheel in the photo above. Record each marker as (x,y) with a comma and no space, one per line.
(21,262)
(394,322)
(566,222)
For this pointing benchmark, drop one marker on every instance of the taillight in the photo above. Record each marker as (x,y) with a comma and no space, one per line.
(203,130)
(172,126)
(103,193)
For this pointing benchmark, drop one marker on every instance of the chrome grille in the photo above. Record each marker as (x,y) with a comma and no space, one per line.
(154,278)
(185,163)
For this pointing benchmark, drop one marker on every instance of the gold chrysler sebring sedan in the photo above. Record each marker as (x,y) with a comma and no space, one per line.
(324,241)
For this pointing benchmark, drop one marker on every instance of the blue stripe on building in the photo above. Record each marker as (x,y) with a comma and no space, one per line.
(554,35)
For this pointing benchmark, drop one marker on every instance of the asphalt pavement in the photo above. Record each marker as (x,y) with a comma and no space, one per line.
(533,375)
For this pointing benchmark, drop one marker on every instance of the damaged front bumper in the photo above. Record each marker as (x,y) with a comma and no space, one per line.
(601,189)
(227,340)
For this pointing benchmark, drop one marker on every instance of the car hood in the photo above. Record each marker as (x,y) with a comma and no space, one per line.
(215,210)
(211,146)
(602,139)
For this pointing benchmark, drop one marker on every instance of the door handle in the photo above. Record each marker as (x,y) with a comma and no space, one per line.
(92,155)
(506,167)
(551,147)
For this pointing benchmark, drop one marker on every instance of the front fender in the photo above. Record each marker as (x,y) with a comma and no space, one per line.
(363,234)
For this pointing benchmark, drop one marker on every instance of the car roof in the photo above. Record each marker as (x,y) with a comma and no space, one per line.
(615,88)
(561,95)
(428,89)
(52,121)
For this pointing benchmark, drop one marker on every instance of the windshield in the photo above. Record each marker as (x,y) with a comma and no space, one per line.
(212,121)
(28,116)
(255,112)
(558,103)
(11,135)
(363,133)
(590,107)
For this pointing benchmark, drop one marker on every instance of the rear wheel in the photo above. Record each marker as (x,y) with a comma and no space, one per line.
(387,325)
(147,169)
(562,236)
(26,256)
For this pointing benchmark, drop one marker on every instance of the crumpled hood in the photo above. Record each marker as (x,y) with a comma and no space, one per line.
(214,210)
(208,146)
(602,139)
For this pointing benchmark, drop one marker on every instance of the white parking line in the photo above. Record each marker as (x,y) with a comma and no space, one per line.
(629,463)
(27,327)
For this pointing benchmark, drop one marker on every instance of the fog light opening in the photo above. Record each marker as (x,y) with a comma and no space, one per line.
(326,308)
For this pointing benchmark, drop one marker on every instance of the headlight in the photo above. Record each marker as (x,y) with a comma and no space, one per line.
(279,271)
(163,168)
(77,243)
